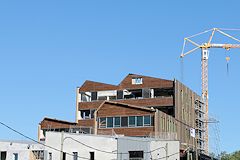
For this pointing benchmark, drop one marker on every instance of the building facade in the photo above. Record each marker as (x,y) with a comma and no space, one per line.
(21,150)
(140,106)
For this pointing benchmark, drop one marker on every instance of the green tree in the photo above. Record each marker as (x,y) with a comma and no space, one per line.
(233,156)
(224,156)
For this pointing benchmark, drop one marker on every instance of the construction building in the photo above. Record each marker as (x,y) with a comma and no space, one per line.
(140,106)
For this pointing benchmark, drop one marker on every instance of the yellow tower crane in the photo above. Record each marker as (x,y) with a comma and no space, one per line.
(204,62)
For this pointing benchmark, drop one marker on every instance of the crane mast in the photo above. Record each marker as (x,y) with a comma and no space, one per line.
(204,68)
(204,60)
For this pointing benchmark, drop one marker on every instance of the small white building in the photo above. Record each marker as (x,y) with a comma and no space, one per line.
(21,150)
(91,147)
(96,147)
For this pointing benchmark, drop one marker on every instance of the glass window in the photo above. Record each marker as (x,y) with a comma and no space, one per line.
(132,121)
(102,122)
(112,97)
(139,120)
(137,80)
(117,122)
(124,121)
(109,122)
(147,120)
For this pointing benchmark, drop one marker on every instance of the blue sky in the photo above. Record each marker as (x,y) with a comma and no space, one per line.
(48,48)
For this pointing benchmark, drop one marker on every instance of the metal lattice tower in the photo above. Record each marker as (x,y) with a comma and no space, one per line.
(204,65)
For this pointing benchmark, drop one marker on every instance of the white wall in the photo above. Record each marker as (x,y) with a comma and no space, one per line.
(115,145)
(173,148)
(100,142)
(22,149)
(126,144)
(152,148)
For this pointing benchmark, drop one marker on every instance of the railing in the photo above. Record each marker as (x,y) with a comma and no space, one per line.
(73,129)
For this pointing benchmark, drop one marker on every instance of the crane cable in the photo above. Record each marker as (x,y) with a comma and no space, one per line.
(227,60)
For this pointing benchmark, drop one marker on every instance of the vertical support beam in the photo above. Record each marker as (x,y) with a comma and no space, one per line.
(77,102)
(95,123)
(39,129)
(205,56)
(156,123)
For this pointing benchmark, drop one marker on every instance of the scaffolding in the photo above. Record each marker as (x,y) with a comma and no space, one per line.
(199,120)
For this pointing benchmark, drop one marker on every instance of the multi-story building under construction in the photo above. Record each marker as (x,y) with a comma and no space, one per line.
(139,106)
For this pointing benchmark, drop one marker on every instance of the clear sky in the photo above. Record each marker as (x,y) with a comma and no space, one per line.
(48,48)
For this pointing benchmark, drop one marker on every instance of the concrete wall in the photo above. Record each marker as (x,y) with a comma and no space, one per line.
(23,149)
(117,148)
(99,142)
(153,149)
(161,148)
(132,144)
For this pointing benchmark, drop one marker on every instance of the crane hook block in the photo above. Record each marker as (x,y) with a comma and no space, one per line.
(227,59)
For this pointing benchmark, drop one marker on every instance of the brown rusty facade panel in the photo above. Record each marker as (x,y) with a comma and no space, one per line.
(90,86)
(185,112)
(149,102)
(109,110)
(86,123)
(164,123)
(89,105)
(147,82)
(146,102)
(119,110)
(146,131)
(51,124)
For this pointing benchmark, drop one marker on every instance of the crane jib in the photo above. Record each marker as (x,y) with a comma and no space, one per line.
(227,46)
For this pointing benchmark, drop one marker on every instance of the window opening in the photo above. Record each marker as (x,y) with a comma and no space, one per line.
(124,121)
(135,155)
(109,122)
(139,120)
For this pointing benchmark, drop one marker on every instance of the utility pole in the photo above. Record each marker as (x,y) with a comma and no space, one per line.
(61,153)
(196,149)
(166,149)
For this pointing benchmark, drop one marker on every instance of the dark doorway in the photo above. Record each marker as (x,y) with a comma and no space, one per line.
(91,155)
(64,155)
(3,155)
